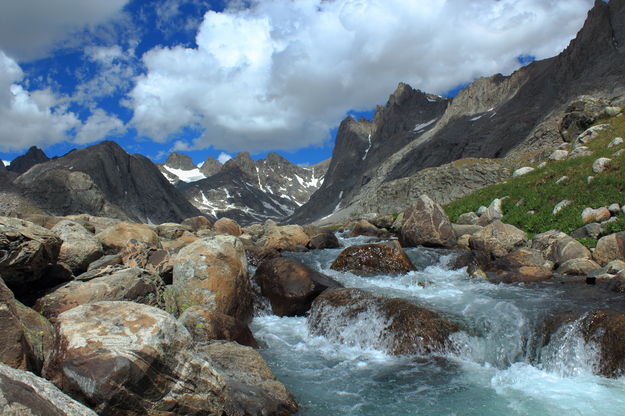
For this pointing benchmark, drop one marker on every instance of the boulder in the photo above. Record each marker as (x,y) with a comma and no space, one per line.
(498,239)
(396,326)
(522,171)
(398,223)
(206,326)
(290,285)
(606,330)
(148,257)
(26,252)
(617,141)
(323,240)
(559,247)
(256,254)
(80,247)
(425,223)
(611,247)
(595,215)
(227,226)
(601,164)
(171,231)
(373,259)
(492,213)
(364,227)
(197,223)
(558,155)
(592,230)
(116,237)
(461,229)
(133,284)
(383,221)
(24,394)
(580,151)
(468,218)
(100,224)
(125,358)
(284,237)
(614,209)
(212,273)
(581,267)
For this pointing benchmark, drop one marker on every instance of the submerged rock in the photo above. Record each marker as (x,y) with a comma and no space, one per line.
(372,259)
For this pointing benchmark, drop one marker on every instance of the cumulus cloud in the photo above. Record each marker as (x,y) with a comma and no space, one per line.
(223,157)
(29,29)
(99,126)
(280,74)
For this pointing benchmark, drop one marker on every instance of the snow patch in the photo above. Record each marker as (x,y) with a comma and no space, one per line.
(368,148)
(199,165)
(421,126)
(186,175)
(6,162)
(476,118)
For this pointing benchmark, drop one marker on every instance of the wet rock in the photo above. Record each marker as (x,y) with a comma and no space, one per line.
(26,252)
(284,237)
(80,247)
(124,358)
(116,238)
(498,239)
(607,330)
(323,240)
(425,223)
(227,226)
(601,164)
(373,259)
(290,285)
(205,326)
(559,247)
(468,218)
(611,247)
(133,284)
(581,267)
(197,223)
(24,394)
(364,227)
(396,326)
(492,213)
(212,272)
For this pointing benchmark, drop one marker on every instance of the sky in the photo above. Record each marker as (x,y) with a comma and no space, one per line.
(216,77)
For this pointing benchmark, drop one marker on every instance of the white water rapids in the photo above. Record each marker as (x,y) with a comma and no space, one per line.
(499,367)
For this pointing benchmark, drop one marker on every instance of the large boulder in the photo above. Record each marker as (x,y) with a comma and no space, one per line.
(116,237)
(290,285)
(26,252)
(494,212)
(611,247)
(284,237)
(172,231)
(133,284)
(148,257)
(24,394)
(125,358)
(364,227)
(80,247)
(205,326)
(559,247)
(197,223)
(227,226)
(425,223)
(323,240)
(212,272)
(581,266)
(498,239)
(372,259)
(396,326)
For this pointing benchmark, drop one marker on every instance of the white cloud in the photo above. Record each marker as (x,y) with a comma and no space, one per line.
(99,126)
(29,29)
(223,157)
(281,73)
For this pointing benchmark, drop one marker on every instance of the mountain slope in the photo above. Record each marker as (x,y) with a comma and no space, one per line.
(33,156)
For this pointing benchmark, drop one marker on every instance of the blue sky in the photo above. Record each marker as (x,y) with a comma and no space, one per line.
(211,77)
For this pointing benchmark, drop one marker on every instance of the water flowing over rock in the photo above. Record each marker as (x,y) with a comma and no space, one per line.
(396,326)
(290,285)
(80,247)
(425,223)
(372,259)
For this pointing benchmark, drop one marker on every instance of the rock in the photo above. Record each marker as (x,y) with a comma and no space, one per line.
(589,179)
(205,326)
(541,165)
(104,261)
(559,247)
(580,151)
(133,284)
(606,329)
(595,215)
(212,273)
(562,179)
(498,239)
(612,111)
(197,223)
(614,209)
(323,240)
(481,210)
(601,164)
(425,223)
(618,153)
(290,285)
(116,237)
(561,205)
(398,223)
(558,155)
(522,257)
(227,226)
(373,259)
(617,141)
(27,337)
(524,274)
(520,265)
(592,132)
(23,394)
(364,227)
(592,230)
(80,247)
(615,266)
(611,247)
(396,326)
(580,266)
(522,171)
(493,212)
(256,254)
(468,218)
(461,230)
(148,257)
(26,252)
(284,237)
(171,231)
(383,221)
(125,358)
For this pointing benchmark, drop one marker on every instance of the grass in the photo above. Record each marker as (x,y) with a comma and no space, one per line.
(537,191)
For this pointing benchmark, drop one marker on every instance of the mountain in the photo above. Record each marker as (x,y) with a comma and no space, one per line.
(513,116)
(248,191)
(209,167)
(180,168)
(104,180)
(33,156)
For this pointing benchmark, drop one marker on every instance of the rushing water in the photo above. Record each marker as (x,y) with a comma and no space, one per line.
(499,367)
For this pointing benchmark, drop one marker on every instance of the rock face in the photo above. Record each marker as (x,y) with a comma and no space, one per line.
(372,259)
(290,285)
(24,394)
(210,167)
(396,326)
(425,223)
(80,247)
(127,359)
(212,272)
(33,157)
(104,180)
(179,161)
(26,251)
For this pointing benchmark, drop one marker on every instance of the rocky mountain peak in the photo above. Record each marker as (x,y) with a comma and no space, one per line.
(242,161)
(32,157)
(210,166)
(179,161)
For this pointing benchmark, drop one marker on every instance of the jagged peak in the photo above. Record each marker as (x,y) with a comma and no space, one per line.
(179,161)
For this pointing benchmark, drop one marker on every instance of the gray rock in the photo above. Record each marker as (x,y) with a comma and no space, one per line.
(33,157)
(617,141)
(562,179)
(498,239)
(210,167)
(464,229)
(601,164)
(425,223)
(80,247)
(494,212)
(580,151)
(592,230)
(579,266)
(179,161)
(561,205)
(468,218)
(559,247)
(558,155)
(522,171)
